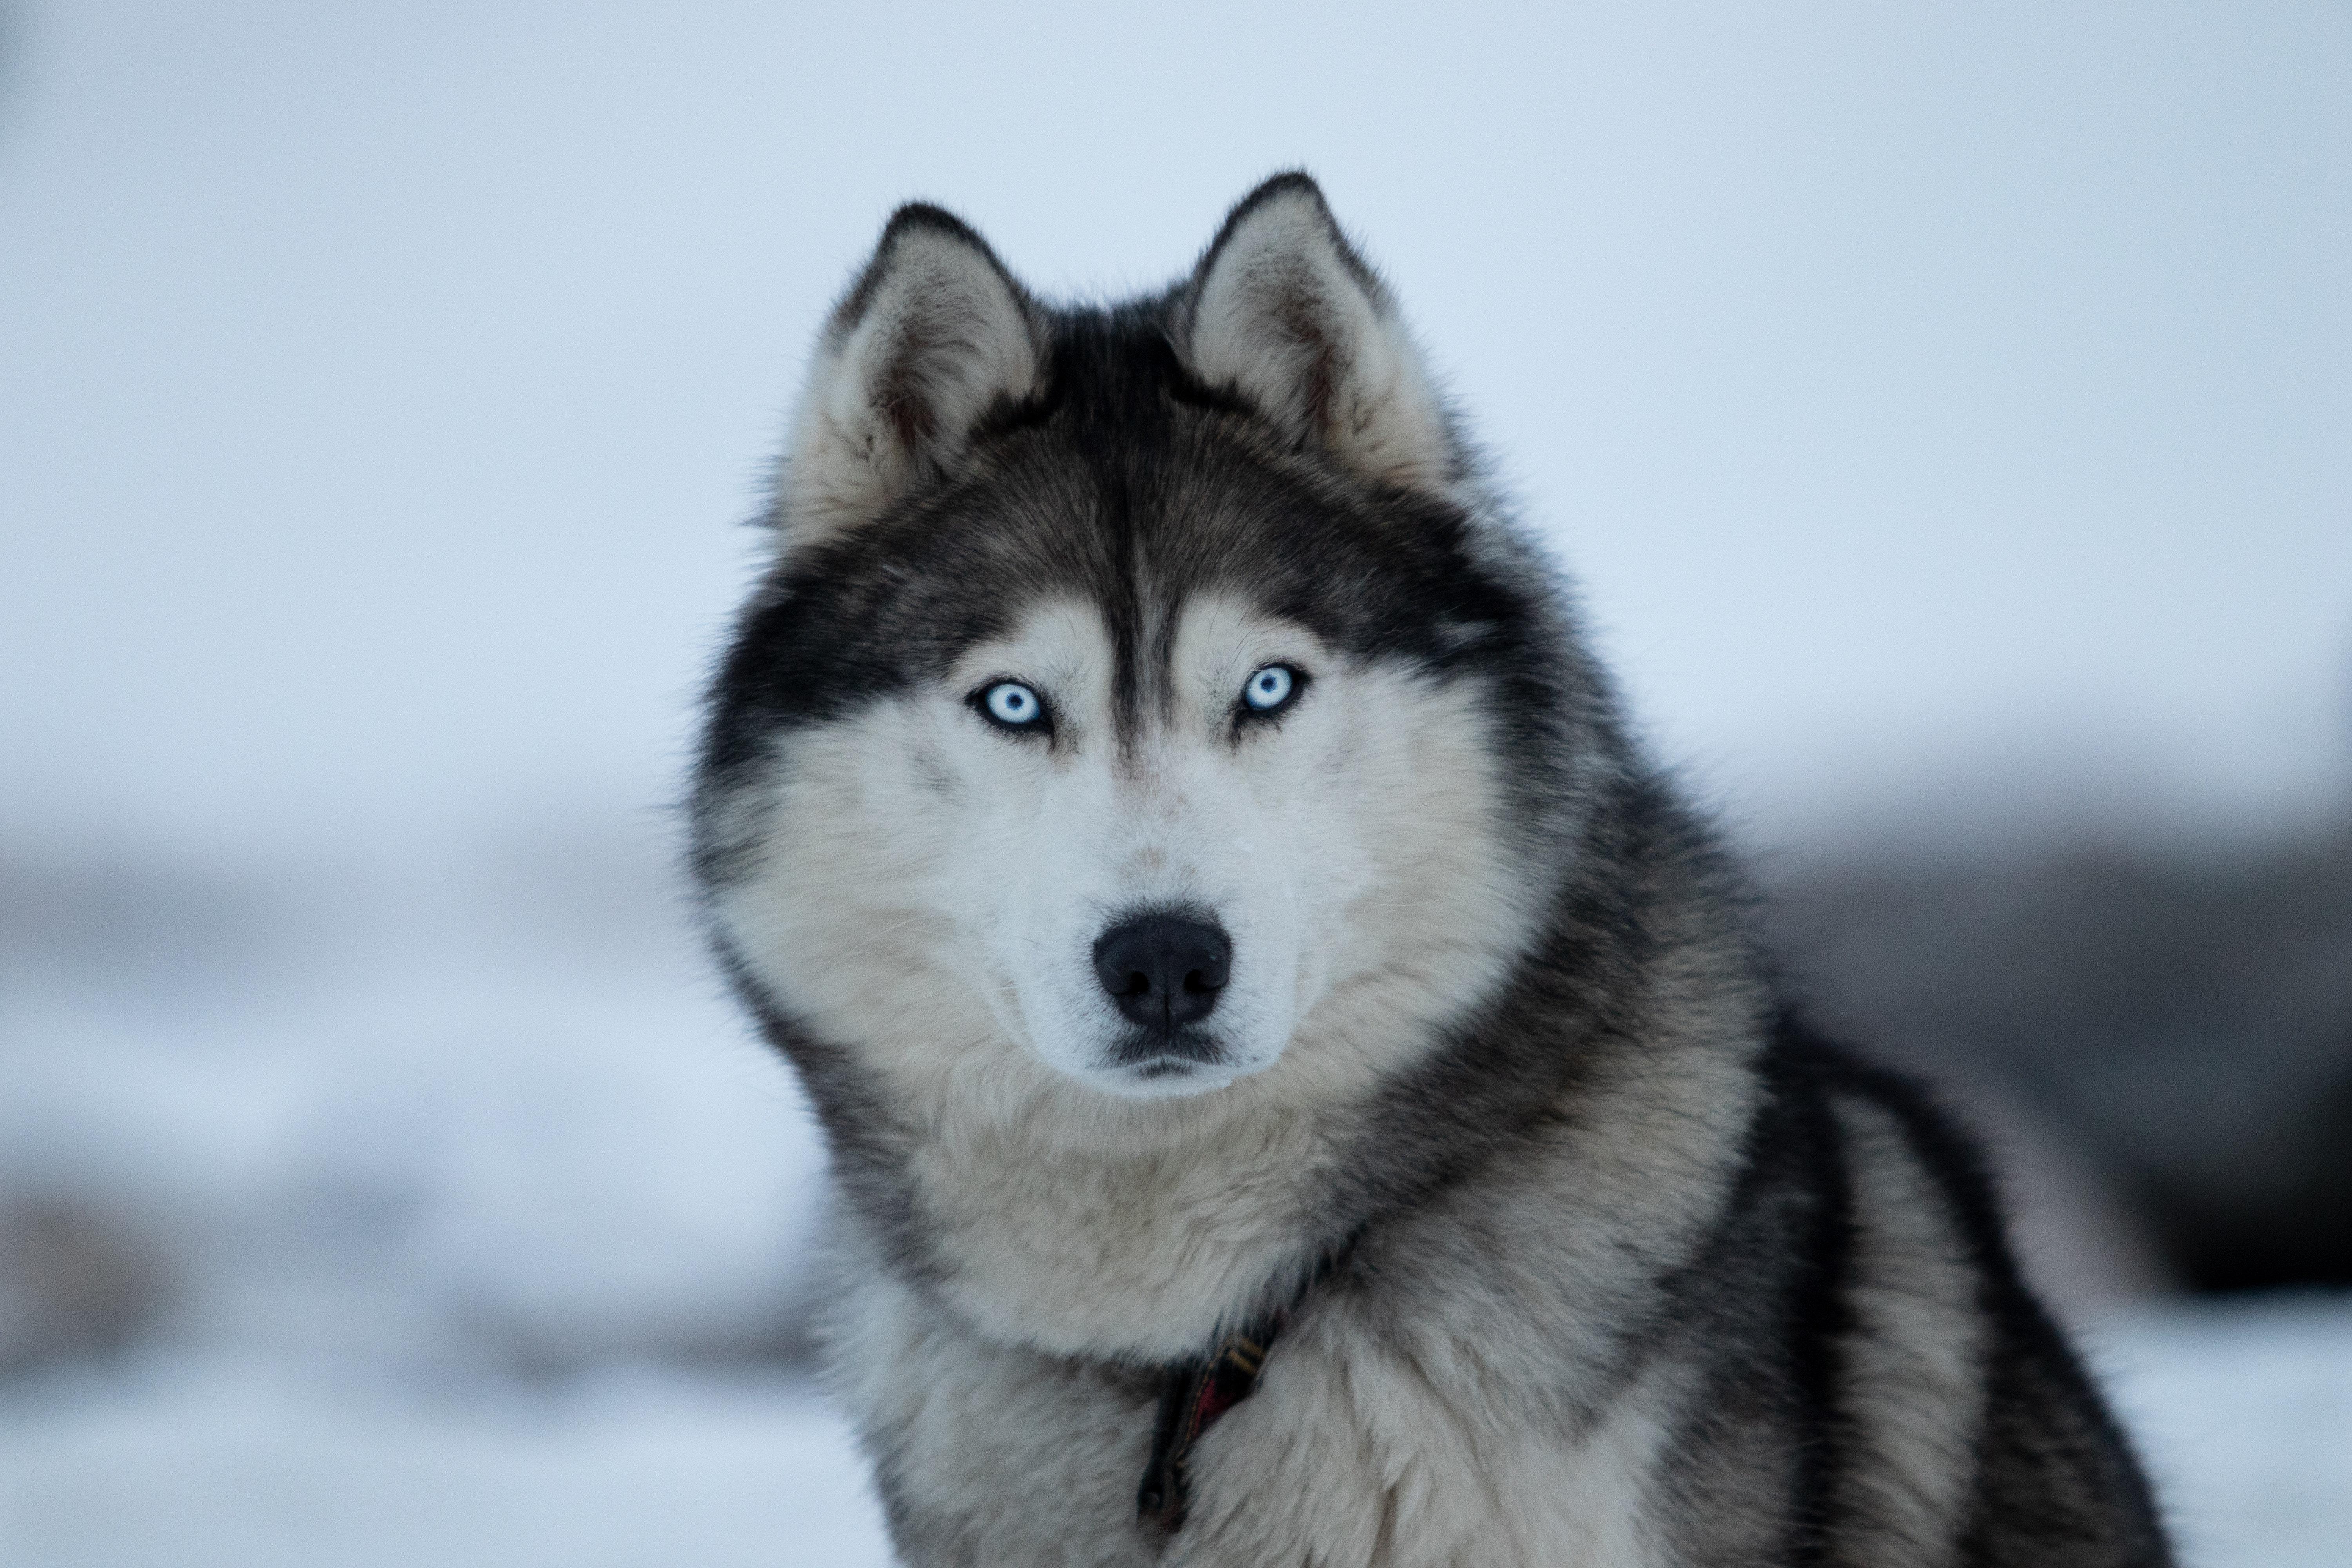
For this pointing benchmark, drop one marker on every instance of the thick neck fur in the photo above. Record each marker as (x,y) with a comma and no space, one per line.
(1078,1225)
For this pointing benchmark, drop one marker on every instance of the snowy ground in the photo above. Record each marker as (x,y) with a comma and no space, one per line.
(203,1466)
(2245,1413)
(446,1180)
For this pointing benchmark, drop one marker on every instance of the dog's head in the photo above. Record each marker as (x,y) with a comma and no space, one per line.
(1142,696)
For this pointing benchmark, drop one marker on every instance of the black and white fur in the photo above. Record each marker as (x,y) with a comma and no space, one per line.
(1591,1256)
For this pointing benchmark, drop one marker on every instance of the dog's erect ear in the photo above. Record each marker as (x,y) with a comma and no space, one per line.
(935,334)
(1284,312)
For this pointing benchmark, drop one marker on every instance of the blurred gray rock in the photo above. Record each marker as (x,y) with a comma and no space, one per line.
(74,1281)
(2180,1023)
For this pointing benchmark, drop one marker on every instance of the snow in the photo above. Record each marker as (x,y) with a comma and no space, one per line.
(384,393)
(482,1215)
(480,1212)
(2245,1413)
(209,1464)
(488,1105)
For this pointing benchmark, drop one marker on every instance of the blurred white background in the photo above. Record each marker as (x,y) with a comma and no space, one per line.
(1947,411)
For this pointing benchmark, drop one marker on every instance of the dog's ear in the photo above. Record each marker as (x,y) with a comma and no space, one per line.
(1284,312)
(934,335)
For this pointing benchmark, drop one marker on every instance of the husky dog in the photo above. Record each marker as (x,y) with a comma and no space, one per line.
(1302,1088)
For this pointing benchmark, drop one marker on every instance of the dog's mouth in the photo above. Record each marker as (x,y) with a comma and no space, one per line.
(1164,1077)
(1153,1065)
(1162,1053)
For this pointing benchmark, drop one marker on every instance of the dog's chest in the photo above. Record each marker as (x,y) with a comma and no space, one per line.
(1139,1258)
(989,1454)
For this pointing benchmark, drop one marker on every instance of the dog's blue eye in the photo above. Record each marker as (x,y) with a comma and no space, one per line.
(1012,704)
(1270,688)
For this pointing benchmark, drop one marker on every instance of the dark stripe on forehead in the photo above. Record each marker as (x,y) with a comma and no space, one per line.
(1113,374)
(1121,597)
(1169,606)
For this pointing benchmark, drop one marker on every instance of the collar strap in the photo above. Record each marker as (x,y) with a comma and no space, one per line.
(1195,1393)
(1192,1397)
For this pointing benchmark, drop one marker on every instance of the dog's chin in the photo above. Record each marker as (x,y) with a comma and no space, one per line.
(1135,1070)
(1165,1077)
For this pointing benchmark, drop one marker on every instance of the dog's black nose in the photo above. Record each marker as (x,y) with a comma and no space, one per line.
(1164,970)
